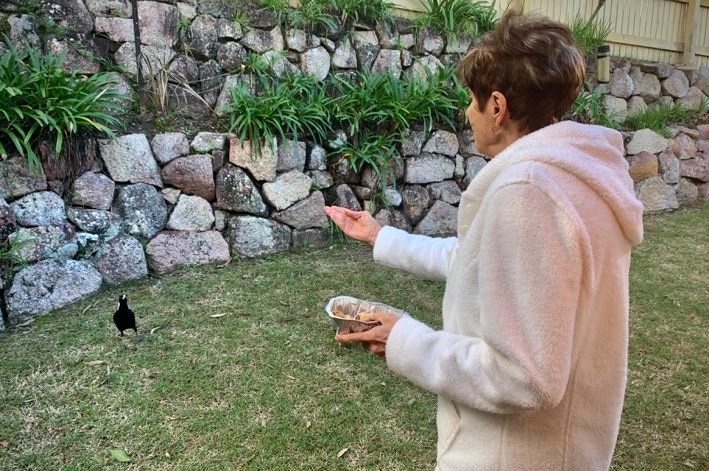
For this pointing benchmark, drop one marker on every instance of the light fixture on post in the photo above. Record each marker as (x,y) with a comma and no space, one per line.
(603,63)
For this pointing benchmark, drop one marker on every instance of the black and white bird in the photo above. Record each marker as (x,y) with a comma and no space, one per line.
(124,318)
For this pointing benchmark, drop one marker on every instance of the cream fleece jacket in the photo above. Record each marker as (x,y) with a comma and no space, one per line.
(530,367)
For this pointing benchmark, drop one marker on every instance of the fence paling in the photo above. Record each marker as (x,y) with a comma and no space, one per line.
(672,31)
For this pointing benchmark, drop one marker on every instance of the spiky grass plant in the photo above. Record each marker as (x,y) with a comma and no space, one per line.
(313,15)
(40,99)
(349,11)
(458,17)
(589,34)
(588,108)
(264,108)
(376,151)
(660,118)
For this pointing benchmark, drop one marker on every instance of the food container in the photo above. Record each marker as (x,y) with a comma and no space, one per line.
(344,312)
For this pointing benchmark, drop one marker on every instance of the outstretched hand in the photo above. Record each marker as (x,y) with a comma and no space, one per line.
(374,339)
(359,225)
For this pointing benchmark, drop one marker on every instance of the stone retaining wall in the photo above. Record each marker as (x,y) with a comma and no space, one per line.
(152,203)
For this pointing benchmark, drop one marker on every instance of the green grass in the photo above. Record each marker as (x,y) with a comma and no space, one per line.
(667,408)
(265,386)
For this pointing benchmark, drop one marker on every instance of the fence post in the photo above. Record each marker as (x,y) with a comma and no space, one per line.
(690,27)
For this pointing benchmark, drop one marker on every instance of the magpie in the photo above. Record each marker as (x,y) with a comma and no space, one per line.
(124,318)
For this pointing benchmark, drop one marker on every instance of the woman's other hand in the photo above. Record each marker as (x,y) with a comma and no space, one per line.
(359,225)
(374,339)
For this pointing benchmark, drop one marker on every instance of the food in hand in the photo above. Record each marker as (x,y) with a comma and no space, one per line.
(364,316)
(338,313)
(367,316)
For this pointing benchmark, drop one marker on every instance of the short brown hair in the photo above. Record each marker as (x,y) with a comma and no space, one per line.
(530,59)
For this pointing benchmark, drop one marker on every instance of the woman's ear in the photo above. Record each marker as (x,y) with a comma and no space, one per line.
(499,108)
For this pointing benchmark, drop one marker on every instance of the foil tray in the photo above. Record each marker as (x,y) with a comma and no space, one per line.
(351,307)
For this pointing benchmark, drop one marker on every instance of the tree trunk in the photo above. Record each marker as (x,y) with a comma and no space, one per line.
(595,12)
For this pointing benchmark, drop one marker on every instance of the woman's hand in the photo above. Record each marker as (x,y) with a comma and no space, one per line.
(374,339)
(359,225)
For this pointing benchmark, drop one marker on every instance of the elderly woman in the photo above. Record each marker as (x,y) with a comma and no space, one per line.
(530,367)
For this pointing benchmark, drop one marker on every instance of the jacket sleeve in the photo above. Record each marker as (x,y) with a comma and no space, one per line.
(428,257)
(527,274)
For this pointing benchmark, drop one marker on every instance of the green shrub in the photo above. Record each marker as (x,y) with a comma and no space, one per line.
(373,102)
(588,108)
(312,105)
(281,8)
(11,256)
(39,99)
(374,110)
(589,34)
(313,15)
(659,118)
(377,109)
(377,151)
(264,107)
(439,98)
(329,16)
(386,104)
(485,16)
(458,17)
(360,10)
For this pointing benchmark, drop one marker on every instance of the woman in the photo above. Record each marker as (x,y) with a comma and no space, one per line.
(530,367)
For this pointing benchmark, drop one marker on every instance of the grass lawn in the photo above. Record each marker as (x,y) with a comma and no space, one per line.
(235,368)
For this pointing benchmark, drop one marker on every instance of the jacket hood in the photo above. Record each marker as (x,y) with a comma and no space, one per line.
(594,154)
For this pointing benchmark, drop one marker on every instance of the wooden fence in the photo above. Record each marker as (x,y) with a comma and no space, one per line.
(671,31)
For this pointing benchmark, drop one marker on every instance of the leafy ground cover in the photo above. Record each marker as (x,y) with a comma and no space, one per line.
(235,368)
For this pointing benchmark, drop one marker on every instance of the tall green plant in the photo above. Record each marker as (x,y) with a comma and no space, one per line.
(589,34)
(437,98)
(485,16)
(376,109)
(458,17)
(280,8)
(349,11)
(329,16)
(373,150)
(374,102)
(12,255)
(376,151)
(588,108)
(659,118)
(264,108)
(38,99)
(386,104)
(313,15)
